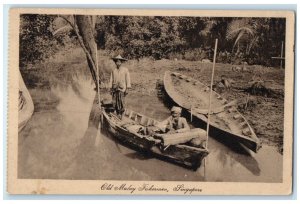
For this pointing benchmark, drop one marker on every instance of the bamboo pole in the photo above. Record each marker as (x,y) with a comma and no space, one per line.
(281,54)
(98,82)
(210,94)
(191,113)
(98,87)
(247,101)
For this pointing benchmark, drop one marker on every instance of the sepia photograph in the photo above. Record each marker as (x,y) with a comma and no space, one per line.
(150,102)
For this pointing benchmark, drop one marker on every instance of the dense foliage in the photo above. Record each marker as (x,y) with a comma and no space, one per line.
(254,40)
(37,39)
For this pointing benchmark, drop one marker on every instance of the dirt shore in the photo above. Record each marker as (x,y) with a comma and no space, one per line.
(264,112)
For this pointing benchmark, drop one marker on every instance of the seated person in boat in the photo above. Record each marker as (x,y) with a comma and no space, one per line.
(175,123)
(168,129)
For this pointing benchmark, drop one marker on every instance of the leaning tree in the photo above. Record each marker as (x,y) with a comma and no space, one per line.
(84,28)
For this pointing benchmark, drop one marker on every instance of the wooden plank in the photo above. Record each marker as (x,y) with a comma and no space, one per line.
(127,112)
(191,148)
(130,114)
(281,58)
(144,121)
(133,116)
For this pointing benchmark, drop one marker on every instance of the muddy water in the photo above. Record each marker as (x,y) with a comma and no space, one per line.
(62,140)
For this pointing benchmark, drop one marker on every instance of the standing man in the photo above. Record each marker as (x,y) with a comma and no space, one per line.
(119,84)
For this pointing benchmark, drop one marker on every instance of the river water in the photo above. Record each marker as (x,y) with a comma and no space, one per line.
(63,140)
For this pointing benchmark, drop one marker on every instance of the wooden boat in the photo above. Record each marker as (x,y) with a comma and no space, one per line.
(225,120)
(26,106)
(128,132)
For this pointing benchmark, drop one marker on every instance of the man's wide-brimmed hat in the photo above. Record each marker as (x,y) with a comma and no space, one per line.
(119,57)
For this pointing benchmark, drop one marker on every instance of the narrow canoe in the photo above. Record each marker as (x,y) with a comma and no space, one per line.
(225,119)
(126,131)
(26,106)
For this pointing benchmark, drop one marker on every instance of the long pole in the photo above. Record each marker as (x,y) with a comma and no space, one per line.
(210,94)
(98,83)
(98,86)
(191,113)
(281,54)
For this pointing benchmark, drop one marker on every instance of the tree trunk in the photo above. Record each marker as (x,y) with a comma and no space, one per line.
(86,27)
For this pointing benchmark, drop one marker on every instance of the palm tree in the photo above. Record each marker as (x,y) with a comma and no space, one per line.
(246,31)
(84,27)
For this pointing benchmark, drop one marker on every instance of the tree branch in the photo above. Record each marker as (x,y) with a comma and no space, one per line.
(74,26)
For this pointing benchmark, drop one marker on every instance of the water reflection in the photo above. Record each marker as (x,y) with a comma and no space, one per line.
(86,157)
(63,141)
(137,155)
(225,157)
(230,153)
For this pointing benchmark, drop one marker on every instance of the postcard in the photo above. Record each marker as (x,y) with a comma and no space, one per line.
(150,102)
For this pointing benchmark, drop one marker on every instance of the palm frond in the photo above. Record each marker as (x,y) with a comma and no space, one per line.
(252,44)
(236,26)
(65,28)
(240,35)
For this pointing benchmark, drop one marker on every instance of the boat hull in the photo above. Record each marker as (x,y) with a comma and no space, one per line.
(225,120)
(26,106)
(182,155)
